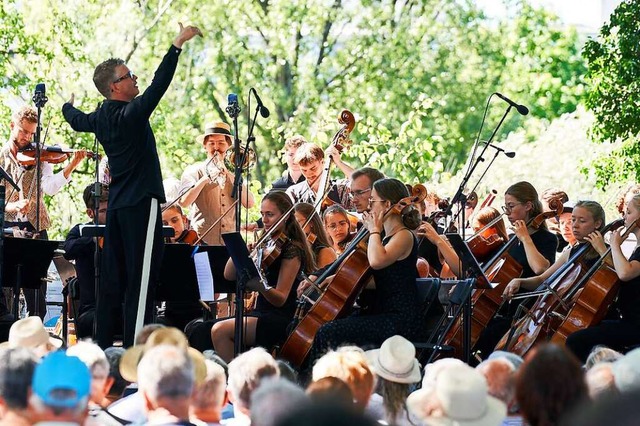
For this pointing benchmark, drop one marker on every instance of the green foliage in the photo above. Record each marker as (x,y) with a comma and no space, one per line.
(416,74)
(614,92)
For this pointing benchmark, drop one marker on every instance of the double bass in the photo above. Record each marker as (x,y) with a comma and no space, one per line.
(352,272)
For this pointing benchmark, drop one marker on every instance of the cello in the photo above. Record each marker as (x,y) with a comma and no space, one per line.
(352,272)
(501,269)
(593,299)
(541,321)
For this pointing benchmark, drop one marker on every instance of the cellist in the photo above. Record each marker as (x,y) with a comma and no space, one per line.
(624,331)
(535,252)
(392,254)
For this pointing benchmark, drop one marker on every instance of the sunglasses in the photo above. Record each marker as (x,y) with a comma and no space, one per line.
(129,74)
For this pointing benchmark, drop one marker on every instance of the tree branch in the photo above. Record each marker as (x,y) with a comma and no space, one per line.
(137,40)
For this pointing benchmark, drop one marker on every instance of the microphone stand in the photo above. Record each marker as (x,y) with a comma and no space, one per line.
(460,197)
(97,194)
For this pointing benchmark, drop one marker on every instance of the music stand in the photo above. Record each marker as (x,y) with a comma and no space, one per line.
(178,280)
(36,255)
(246,275)
(67,273)
(473,278)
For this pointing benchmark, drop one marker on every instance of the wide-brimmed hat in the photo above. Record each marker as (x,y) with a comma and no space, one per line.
(163,336)
(29,332)
(462,396)
(218,128)
(395,361)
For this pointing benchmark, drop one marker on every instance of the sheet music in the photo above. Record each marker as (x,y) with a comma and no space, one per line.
(204,276)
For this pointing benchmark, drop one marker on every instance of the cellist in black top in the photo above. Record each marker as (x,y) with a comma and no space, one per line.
(133,237)
(623,332)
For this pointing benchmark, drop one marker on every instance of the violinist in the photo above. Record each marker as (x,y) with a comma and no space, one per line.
(310,158)
(174,218)
(81,250)
(535,252)
(622,331)
(266,325)
(208,185)
(323,253)
(392,255)
(336,222)
(20,208)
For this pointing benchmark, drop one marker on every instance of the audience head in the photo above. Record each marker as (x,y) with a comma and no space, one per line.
(459,396)
(210,395)
(621,410)
(351,366)
(16,372)
(273,400)
(325,414)
(61,387)
(601,354)
(30,333)
(114,355)
(515,359)
(166,378)
(330,391)
(98,365)
(145,332)
(626,371)
(600,380)
(500,375)
(549,384)
(246,372)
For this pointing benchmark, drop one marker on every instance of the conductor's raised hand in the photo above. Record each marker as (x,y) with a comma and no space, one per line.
(186,34)
(72,99)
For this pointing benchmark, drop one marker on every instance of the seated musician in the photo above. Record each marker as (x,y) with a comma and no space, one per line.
(323,253)
(310,158)
(535,251)
(179,314)
(336,222)
(392,258)
(622,331)
(266,325)
(174,218)
(82,250)
(553,224)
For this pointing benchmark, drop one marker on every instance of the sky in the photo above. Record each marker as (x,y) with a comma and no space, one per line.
(581,13)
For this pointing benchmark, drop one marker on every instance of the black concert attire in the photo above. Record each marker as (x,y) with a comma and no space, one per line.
(396,311)
(284,182)
(621,333)
(546,242)
(82,250)
(133,238)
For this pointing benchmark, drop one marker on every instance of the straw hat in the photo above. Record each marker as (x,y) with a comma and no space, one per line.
(218,128)
(29,332)
(461,394)
(163,336)
(395,361)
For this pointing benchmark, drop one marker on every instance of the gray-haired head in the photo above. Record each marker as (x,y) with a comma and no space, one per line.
(274,399)
(166,371)
(245,373)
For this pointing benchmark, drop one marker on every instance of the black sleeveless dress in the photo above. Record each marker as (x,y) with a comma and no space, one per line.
(397,311)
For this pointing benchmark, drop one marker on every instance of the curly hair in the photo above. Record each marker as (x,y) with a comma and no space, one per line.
(26,113)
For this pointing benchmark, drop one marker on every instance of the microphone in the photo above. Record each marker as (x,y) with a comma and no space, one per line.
(521,108)
(264,111)
(233,109)
(509,154)
(40,97)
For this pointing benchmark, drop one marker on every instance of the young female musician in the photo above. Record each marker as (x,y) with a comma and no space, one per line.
(266,325)
(336,222)
(392,257)
(324,254)
(535,252)
(624,331)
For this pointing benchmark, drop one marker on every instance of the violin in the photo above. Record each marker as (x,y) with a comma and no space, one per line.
(48,154)
(188,236)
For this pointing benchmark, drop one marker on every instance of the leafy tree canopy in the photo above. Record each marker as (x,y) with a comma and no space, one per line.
(416,73)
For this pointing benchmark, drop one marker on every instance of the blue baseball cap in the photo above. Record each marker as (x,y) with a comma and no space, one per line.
(61,380)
